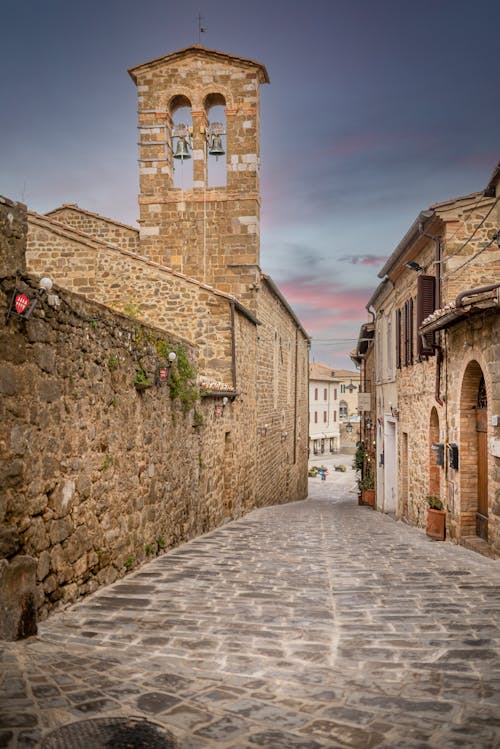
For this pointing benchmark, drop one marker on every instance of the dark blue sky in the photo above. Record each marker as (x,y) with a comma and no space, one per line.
(375,111)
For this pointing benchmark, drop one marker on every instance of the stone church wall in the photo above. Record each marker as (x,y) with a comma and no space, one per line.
(131,284)
(95,475)
(282,405)
(98,227)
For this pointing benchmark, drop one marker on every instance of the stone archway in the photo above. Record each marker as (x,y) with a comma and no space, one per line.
(473,454)
(434,468)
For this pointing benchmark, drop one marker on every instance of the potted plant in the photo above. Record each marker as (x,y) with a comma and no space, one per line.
(436,519)
(366,486)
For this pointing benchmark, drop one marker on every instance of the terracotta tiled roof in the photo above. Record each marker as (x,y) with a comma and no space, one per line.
(324,372)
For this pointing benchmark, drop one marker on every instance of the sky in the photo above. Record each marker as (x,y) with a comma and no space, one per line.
(375,111)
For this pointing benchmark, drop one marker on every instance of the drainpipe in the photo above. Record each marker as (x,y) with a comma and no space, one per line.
(437,347)
(473,292)
(371,312)
(437,389)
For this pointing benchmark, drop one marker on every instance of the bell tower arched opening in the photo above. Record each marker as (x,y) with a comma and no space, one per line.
(182,142)
(216,145)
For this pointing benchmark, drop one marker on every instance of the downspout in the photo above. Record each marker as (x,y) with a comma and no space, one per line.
(437,347)
(437,388)
(473,292)
(371,311)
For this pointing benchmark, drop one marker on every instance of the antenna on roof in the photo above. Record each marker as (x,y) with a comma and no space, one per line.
(201,27)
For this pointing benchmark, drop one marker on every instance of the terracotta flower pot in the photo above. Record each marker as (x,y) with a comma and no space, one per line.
(368,497)
(436,524)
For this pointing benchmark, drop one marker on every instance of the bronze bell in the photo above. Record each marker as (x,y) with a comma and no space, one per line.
(182,150)
(216,147)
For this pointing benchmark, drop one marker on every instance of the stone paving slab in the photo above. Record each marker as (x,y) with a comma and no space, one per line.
(309,625)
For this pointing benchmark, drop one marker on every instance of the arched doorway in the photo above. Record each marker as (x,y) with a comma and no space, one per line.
(474,453)
(434,468)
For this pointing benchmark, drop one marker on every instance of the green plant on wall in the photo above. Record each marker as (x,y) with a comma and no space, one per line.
(113,362)
(198,419)
(359,457)
(141,380)
(132,309)
(129,562)
(182,381)
(106,462)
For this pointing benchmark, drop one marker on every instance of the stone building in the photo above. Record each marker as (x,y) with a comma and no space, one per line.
(333,409)
(437,388)
(113,452)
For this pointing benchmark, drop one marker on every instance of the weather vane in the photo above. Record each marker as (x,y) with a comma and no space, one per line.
(201,27)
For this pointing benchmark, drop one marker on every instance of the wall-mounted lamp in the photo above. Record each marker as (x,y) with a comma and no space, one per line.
(284,435)
(23,303)
(219,410)
(412,265)
(348,427)
(263,429)
(395,412)
(163,371)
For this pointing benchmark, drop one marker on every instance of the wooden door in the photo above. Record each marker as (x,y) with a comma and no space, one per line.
(482,463)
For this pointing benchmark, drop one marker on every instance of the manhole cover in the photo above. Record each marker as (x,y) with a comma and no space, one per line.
(110,733)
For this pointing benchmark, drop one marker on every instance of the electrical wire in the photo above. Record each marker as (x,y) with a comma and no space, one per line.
(495,238)
(474,232)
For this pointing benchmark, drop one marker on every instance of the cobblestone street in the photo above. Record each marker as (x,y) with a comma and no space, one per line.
(315,624)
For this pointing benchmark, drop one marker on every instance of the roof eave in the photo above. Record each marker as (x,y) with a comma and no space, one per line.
(263,74)
(413,232)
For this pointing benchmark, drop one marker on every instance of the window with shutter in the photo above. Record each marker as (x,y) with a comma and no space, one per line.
(426,304)
(408,332)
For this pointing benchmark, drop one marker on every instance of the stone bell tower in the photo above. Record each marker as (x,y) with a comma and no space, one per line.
(209,233)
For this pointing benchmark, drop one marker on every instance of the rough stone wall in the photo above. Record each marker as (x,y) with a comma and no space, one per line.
(461,224)
(282,404)
(98,227)
(13,230)
(474,340)
(95,475)
(208,231)
(144,290)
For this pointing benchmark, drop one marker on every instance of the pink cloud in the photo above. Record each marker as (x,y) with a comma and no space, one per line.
(364,259)
(324,295)
(324,307)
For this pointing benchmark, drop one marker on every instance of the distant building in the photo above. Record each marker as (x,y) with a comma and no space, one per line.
(333,403)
